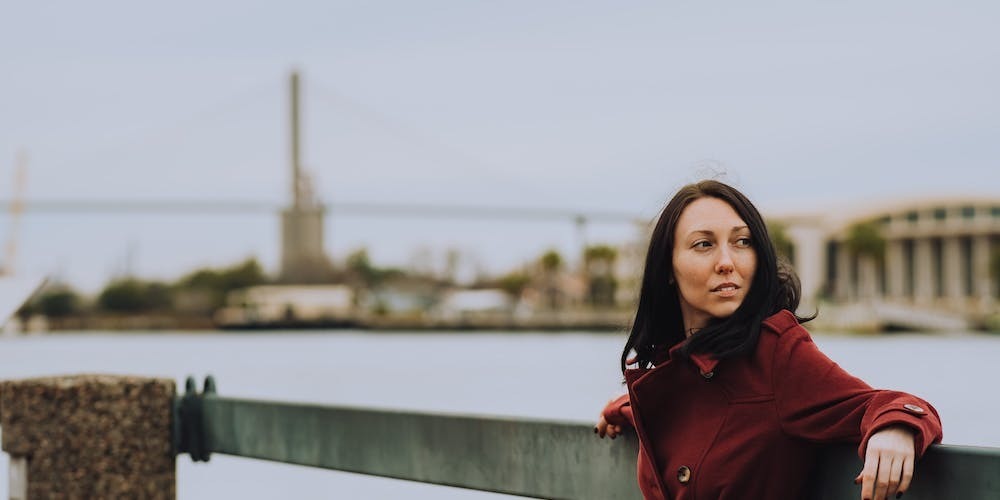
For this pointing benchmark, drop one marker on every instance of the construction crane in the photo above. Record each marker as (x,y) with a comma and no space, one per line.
(16,207)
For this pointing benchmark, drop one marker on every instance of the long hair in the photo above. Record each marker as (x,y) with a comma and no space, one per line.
(658,322)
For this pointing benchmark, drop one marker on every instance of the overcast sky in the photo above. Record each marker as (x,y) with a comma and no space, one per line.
(602,106)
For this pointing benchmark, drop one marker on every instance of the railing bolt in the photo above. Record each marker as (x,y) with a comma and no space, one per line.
(189,420)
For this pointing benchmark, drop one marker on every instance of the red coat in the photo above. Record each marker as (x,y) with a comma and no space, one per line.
(748,428)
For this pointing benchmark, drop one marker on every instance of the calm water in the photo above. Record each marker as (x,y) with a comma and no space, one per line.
(562,376)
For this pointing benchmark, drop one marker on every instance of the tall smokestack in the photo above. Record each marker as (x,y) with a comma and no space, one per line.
(297,200)
(302,257)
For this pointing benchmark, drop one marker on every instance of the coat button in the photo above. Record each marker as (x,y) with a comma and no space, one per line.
(913,409)
(684,474)
(708,375)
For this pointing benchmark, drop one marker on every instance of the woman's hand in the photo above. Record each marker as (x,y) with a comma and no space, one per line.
(888,464)
(616,415)
(603,428)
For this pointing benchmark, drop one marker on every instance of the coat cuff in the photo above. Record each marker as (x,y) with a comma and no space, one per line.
(918,416)
(618,411)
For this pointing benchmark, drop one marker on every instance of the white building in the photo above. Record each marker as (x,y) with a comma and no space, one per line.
(939,255)
(285,304)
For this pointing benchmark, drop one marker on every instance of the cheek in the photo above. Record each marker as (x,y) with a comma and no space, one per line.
(747,271)
(748,264)
(690,279)
(685,269)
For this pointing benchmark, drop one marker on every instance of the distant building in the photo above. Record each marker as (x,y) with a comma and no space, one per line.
(288,305)
(554,290)
(931,255)
(459,305)
(401,298)
(630,264)
(303,259)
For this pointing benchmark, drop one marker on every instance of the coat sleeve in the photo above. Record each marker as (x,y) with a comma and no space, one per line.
(817,400)
(619,411)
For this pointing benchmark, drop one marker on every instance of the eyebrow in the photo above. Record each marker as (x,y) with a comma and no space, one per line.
(706,231)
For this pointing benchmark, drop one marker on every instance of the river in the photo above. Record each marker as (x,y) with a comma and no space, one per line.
(565,376)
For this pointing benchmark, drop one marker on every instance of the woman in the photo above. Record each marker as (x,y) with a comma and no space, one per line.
(729,396)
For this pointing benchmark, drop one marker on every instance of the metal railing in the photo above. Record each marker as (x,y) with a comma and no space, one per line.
(526,457)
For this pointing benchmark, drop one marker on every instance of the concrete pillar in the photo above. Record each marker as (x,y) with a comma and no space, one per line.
(951,259)
(895,270)
(303,259)
(808,240)
(923,290)
(981,268)
(89,436)
(867,278)
(845,286)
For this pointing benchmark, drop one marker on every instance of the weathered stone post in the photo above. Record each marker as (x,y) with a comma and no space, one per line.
(89,436)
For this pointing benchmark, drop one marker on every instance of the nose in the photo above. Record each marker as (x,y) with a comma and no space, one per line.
(725,263)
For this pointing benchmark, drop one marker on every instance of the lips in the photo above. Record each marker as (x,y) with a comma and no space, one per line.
(726,287)
(726,290)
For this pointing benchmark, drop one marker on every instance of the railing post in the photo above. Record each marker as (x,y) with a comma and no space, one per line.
(89,436)
(17,486)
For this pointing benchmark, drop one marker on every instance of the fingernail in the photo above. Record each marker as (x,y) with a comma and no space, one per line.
(595,430)
(612,437)
(899,495)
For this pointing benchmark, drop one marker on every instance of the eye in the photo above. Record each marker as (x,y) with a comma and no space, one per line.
(743,242)
(702,244)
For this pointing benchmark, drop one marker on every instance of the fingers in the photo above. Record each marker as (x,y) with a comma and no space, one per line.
(895,472)
(882,478)
(887,482)
(868,474)
(885,476)
(904,484)
(602,427)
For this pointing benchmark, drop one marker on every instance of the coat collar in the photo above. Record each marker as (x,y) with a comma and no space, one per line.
(778,323)
(704,361)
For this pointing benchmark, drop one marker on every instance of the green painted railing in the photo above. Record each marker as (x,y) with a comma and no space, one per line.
(532,458)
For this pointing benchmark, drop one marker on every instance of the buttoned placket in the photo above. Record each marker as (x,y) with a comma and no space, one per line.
(643,437)
(706,368)
(705,365)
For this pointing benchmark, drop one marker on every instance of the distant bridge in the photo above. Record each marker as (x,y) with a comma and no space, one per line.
(352,209)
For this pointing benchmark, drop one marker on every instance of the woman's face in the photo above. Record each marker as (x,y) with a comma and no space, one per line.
(713,260)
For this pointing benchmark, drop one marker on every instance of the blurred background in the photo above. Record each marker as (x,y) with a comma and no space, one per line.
(439,168)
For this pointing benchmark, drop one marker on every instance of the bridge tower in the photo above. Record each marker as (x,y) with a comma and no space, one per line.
(16,207)
(303,259)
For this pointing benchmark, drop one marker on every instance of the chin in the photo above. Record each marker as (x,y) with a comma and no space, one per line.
(725,312)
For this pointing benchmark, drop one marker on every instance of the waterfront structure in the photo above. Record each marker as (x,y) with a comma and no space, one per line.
(303,259)
(907,258)
(631,262)
(491,304)
(288,305)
